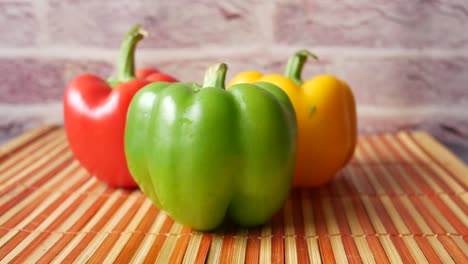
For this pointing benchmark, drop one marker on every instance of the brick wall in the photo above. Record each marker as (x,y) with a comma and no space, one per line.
(407,61)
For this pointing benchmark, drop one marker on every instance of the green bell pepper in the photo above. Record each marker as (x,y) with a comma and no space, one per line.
(202,153)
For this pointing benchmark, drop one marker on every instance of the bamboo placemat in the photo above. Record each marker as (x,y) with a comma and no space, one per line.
(402,199)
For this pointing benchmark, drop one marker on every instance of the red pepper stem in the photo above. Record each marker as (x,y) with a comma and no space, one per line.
(215,76)
(296,63)
(126,66)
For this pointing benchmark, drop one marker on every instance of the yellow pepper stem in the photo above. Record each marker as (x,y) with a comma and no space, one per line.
(296,63)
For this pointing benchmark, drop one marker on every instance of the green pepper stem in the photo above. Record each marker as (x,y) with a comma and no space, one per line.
(215,76)
(126,66)
(296,63)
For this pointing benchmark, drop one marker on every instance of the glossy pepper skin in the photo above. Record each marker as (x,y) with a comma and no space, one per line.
(326,119)
(202,153)
(95,113)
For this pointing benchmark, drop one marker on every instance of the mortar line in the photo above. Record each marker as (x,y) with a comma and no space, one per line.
(280,51)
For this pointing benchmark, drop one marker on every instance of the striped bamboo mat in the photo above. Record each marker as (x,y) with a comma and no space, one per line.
(402,199)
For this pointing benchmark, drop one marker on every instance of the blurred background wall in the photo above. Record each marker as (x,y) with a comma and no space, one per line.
(406,61)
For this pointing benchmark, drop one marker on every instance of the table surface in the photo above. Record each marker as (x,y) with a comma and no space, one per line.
(401,199)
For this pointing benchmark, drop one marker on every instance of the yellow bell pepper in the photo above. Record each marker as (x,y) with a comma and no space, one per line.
(326,118)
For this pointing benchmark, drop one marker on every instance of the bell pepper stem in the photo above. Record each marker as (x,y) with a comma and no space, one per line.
(296,63)
(215,76)
(126,66)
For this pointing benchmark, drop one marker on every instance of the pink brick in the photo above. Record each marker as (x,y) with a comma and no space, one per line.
(382,81)
(170,23)
(34,80)
(395,81)
(18,24)
(193,70)
(414,24)
(72,68)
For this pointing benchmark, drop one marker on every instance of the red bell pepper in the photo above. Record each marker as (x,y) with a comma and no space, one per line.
(95,113)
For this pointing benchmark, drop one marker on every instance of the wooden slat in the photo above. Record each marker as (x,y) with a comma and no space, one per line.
(116,245)
(299,229)
(169,244)
(226,253)
(192,248)
(215,249)
(22,172)
(149,238)
(60,220)
(139,233)
(265,245)
(402,199)
(159,240)
(85,219)
(51,203)
(36,196)
(441,171)
(239,246)
(252,254)
(441,155)
(325,246)
(33,149)
(289,232)
(100,240)
(204,248)
(23,140)
(277,237)
(81,239)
